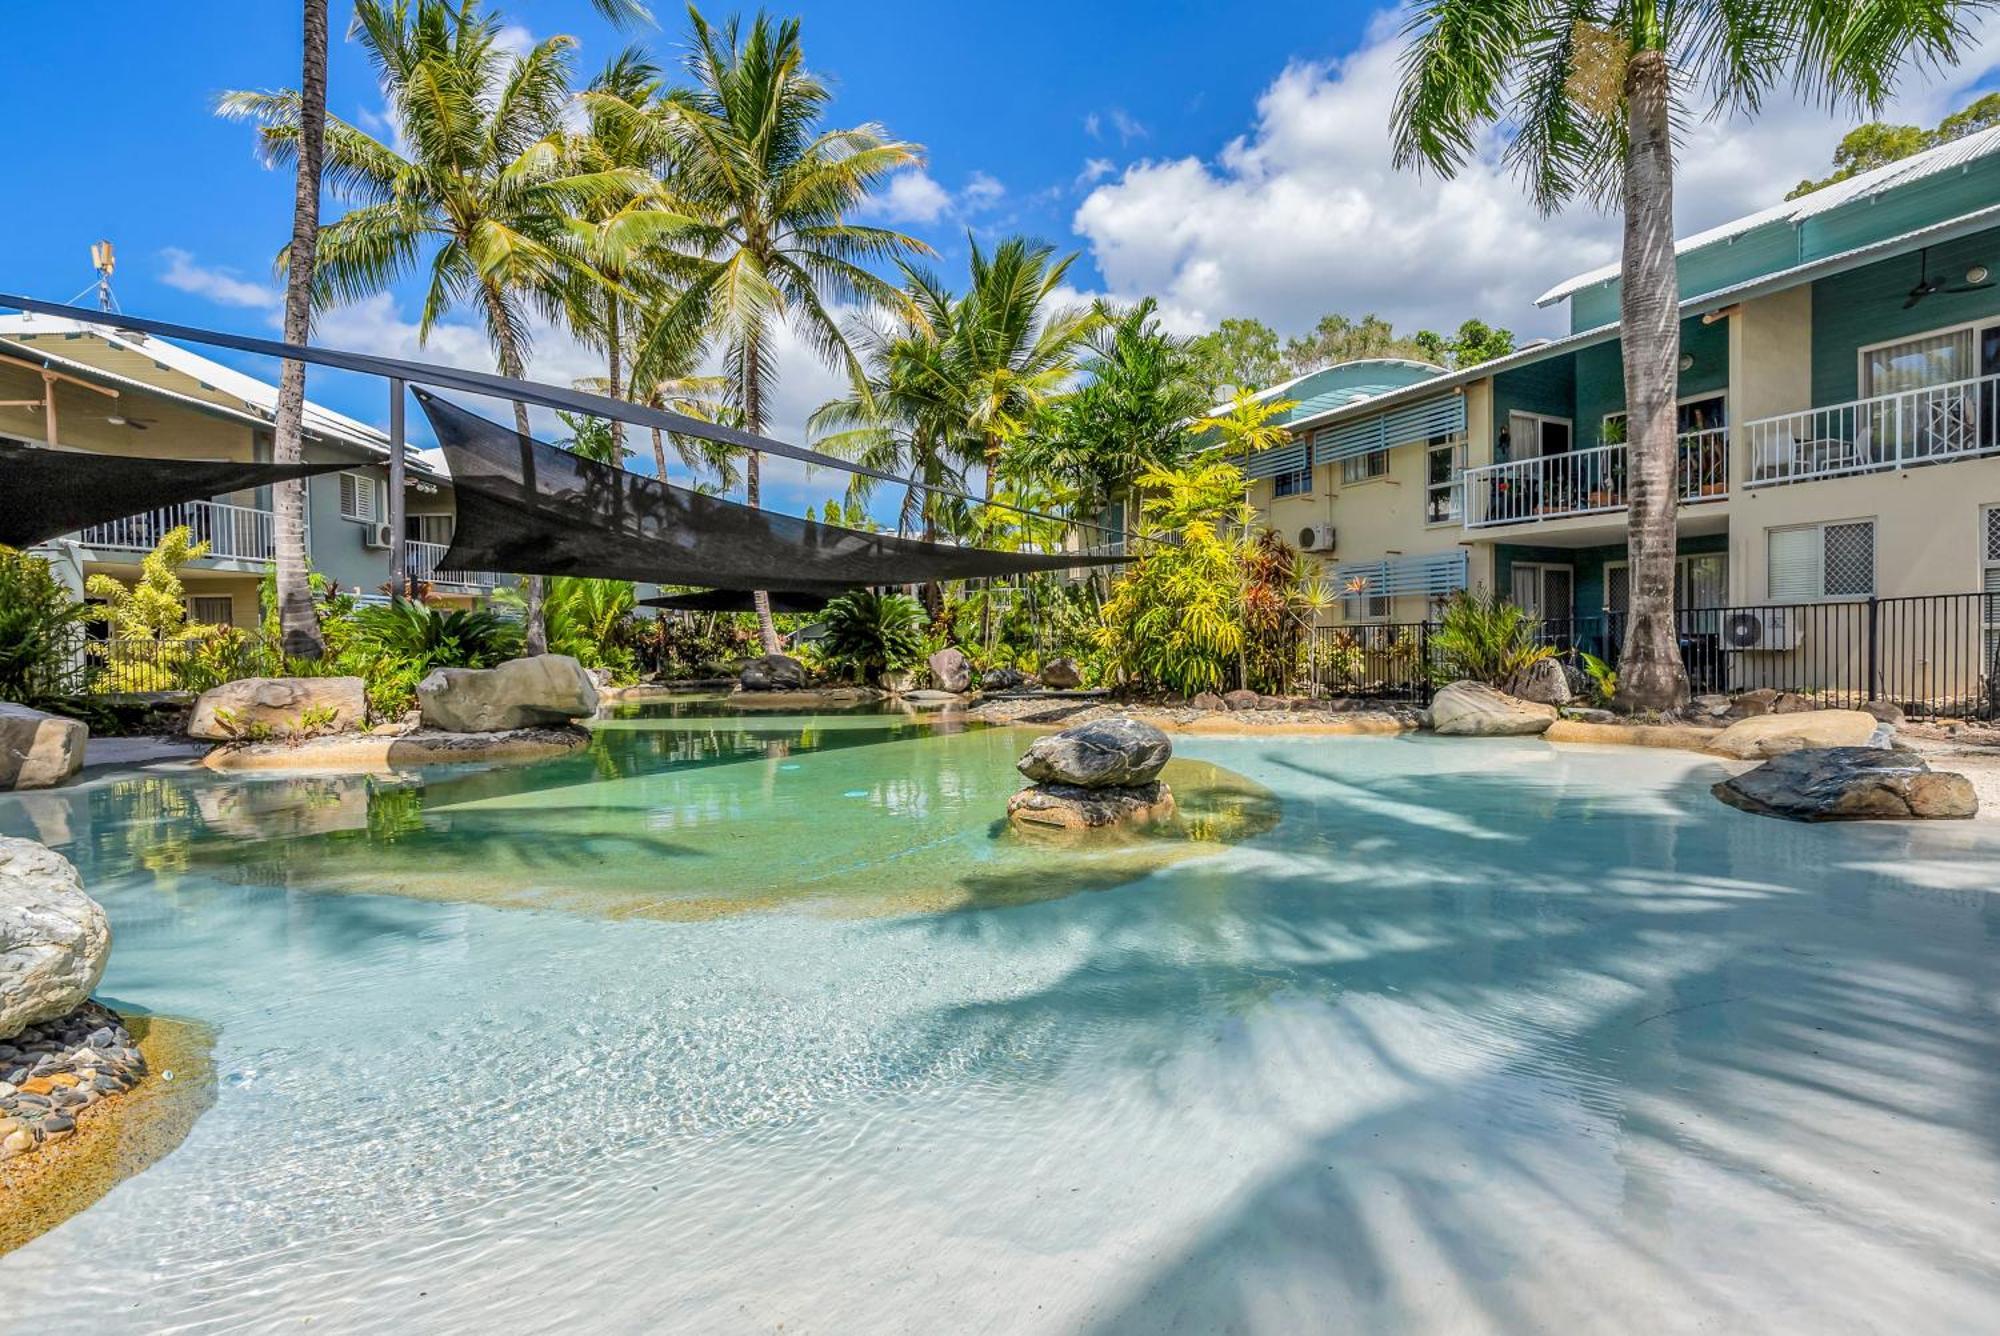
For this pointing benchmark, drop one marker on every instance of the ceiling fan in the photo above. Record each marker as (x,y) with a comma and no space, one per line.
(1926,285)
(136,424)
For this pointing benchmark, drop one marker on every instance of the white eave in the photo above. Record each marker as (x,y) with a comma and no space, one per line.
(1931,162)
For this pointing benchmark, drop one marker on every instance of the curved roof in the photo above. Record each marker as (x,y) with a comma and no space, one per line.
(1329,387)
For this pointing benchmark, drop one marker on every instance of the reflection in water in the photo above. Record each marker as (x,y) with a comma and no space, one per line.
(682,810)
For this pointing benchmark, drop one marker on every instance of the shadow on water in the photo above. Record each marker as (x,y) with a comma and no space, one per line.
(1549,1010)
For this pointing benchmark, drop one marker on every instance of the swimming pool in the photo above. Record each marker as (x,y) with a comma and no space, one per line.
(1479,1035)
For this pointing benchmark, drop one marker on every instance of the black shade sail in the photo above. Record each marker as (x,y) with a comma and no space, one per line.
(48,493)
(526,508)
(739,600)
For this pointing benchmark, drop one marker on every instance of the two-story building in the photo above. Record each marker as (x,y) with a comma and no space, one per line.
(1839,413)
(69,386)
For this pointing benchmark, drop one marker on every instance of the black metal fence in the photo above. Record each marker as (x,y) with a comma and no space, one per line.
(1932,655)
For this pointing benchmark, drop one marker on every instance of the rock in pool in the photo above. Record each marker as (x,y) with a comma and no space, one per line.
(1850,784)
(1468,709)
(538,691)
(54,939)
(951,670)
(1105,753)
(773,672)
(1072,807)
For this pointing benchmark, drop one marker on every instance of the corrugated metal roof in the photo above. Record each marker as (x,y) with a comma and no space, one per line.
(1916,167)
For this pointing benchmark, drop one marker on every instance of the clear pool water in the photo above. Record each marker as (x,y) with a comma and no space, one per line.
(1479,1036)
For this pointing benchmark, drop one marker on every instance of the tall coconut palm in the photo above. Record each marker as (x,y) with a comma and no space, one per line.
(298,625)
(1589,89)
(1018,350)
(481,200)
(770,191)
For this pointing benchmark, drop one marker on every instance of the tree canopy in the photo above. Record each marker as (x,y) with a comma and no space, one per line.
(1877,143)
(1245,353)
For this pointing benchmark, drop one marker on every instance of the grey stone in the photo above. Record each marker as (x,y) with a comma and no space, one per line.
(1002,679)
(54,939)
(1790,702)
(276,706)
(1713,706)
(773,672)
(37,750)
(1061,675)
(1750,704)
(1240,699)
(1208,700)
(520,693)
(1069,807)
(1850,784)
(1885,710)
(1766,735)
(1105,753)
(1475,710)
(1543,682)
(951,670)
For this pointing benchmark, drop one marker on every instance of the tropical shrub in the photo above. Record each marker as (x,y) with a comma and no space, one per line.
(394,645)
(1175,620)
(151,634)
(592,622)
(869,634)
(38,621)
(1601,676)
(1487,638)
(1279,598)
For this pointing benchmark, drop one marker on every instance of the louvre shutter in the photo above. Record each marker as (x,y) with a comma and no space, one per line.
(1288,458)
(1796,573)
(1439,416)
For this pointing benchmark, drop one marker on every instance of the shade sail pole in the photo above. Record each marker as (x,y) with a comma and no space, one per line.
(399,570)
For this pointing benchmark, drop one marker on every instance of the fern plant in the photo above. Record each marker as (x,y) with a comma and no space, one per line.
(1486,638)
(870,634)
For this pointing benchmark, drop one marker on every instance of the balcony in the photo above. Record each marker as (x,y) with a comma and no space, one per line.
(1587,482)
(238,533)
(421,560)
(1959,420)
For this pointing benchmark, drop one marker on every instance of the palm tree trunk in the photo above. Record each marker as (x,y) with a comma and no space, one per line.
(660,454)
(299,635)
(510,366)
(753,421)
(612,356)
(1650,673)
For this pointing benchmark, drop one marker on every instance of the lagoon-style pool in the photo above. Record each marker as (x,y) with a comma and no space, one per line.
(765,1022)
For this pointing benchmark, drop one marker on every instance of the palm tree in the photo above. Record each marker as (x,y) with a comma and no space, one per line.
(1590,92)
(770,192)
(298,625)
(1018,353)
(482,200)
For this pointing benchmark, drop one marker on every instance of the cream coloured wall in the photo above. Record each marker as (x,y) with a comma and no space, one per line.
(175,431)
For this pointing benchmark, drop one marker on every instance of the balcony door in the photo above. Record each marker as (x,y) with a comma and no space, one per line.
(1545,590)
(1934,392)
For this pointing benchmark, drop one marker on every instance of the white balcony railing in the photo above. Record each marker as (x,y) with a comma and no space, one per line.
(1889,431)
(243,533)
(421,560)
(1587,482)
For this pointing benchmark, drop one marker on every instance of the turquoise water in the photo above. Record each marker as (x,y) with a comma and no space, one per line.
(1478,1036)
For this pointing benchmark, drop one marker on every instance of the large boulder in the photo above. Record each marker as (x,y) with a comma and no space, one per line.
(1071,807)
(773,672)
(1850,784)
(1468,709)
(951,670)
(54,939)
(1543,682)
(1105,753)
(1061,675)
(38,751)
(1239,699)
(276,707)
(1766,735)
(520,693)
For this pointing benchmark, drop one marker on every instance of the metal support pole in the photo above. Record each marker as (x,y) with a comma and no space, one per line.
(399,575)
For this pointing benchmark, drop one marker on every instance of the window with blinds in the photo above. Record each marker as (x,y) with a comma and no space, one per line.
(212,609)
(1912,364)
(1810,562)
(359,498)
(1990,585)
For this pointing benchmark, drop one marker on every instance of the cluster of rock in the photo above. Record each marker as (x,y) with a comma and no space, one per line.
(59,1052)
(50,1073)
(773,672)
(37,750)
(1850,784)
(1102,773)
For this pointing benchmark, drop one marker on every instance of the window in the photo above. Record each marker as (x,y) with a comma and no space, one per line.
(427,528)
(1298,482)
(212,609)
(1533,436)
(1360,468)
(1820,561)
(1912,364)
(1707,413)
(1544,590)
(1990,584)
(1444,473)
(1360,606)
(360,498)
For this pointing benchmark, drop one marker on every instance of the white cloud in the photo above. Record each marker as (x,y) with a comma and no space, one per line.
(1305,214)
(1094,170)
(1123,124)
(912,197)
(981,192)
(220,285)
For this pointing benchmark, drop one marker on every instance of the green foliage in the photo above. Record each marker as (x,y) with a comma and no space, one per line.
(1602,676)
(591,438)
(869,634)
(1475,342)
(1877,144)
(1241,353)
(38,621)
(1487,638)
(222,654)
(152,635)
(1276,603)
(1175,620)
(592,622)
(394,645)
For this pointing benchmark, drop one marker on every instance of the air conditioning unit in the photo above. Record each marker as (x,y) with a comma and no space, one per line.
(1316,538)
(1766,629)
(378,536)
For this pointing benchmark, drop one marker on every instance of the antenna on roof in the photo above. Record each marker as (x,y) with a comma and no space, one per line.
(104,260)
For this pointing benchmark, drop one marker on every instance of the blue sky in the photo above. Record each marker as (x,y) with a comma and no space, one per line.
(1230,160)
